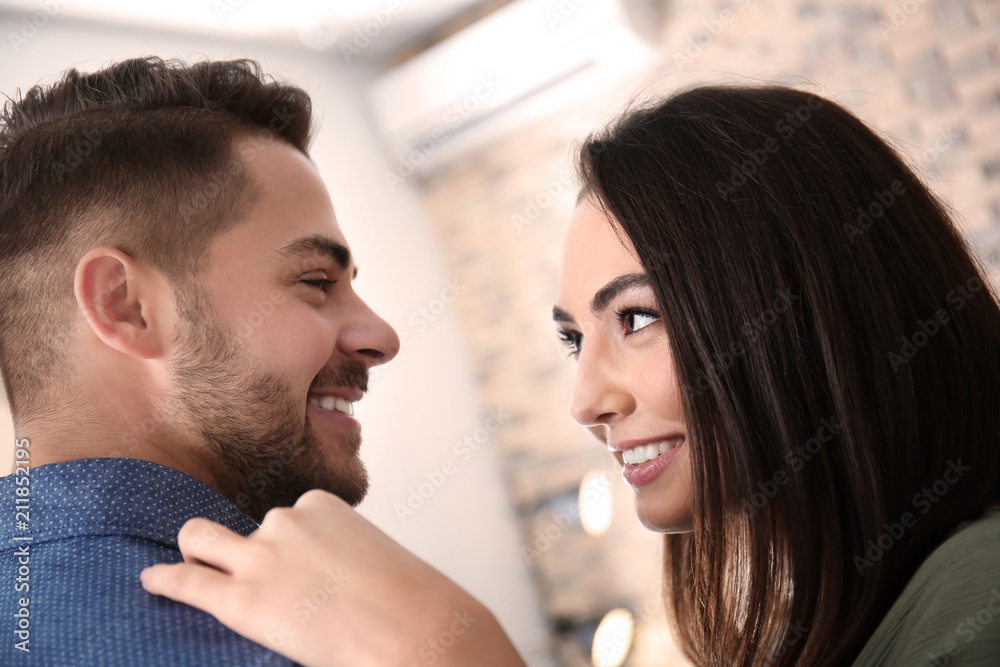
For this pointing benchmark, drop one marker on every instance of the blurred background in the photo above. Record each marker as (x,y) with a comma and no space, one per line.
(445,131)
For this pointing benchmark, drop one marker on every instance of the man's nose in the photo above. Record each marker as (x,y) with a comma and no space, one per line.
(368,337)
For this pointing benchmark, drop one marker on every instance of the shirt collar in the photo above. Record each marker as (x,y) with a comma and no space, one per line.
(112,496)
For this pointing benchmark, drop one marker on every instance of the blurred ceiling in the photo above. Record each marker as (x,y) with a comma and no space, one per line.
(318,25)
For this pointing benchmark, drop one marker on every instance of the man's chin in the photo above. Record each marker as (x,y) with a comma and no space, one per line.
(351,496)
(340,470)
(349,483)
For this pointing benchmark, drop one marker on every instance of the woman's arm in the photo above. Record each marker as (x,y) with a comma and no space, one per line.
(321,585)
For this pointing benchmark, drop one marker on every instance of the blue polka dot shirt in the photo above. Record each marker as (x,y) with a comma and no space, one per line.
(73,539)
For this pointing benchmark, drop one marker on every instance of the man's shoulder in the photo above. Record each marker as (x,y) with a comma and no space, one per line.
(74,581)
(109,496)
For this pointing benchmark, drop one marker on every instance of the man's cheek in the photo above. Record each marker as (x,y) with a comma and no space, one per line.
(297,342)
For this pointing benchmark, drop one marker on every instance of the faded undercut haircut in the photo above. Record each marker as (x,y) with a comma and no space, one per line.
(147,156)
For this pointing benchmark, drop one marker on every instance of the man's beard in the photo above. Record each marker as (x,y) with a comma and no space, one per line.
(262,450)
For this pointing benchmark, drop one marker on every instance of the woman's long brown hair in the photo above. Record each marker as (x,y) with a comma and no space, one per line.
(837,348)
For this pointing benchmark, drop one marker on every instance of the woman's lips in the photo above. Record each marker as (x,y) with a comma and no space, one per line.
(642,474)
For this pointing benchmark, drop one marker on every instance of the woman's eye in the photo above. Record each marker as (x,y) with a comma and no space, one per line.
(636,320)
(571,339)
(321,283)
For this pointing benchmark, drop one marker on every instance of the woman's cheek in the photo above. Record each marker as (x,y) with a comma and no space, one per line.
(655,376)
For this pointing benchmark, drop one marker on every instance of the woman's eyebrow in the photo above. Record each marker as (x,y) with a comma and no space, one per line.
(560,315)
(605,295)
(614,287)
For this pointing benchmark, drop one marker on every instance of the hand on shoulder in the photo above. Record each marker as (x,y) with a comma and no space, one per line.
(321,585)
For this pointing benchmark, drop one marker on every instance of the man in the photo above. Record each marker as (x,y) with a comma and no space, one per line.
(179,337)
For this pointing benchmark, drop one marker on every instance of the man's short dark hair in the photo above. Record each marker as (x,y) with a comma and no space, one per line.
(147,156)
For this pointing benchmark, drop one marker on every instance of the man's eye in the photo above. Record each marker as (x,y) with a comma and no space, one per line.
(321,283)
(571,339)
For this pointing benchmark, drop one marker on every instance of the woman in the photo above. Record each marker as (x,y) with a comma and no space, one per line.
(793,355)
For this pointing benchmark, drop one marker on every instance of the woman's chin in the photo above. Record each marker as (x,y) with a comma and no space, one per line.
(661,519)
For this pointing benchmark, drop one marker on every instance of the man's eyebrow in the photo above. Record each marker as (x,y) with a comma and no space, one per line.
(605,295)
(321,246)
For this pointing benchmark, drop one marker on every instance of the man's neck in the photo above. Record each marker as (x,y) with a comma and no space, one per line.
(61,440)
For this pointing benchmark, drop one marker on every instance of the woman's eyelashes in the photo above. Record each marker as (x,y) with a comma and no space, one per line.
(636,319)
(633,320)
(573,340)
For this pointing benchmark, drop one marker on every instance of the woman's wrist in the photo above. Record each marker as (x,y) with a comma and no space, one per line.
(465,633)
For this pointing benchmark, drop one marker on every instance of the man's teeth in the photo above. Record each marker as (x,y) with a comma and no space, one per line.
(644,453)
(332,404)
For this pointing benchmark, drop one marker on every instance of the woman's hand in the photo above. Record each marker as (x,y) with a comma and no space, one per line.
(321,585)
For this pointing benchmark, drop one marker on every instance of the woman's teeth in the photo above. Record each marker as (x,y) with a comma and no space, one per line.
(644,453)
(332,404)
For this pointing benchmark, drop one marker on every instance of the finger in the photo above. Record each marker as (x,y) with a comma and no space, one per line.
(189,583)
(208,542)
(214,592)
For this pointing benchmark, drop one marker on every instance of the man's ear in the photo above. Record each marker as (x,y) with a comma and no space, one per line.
(119,298)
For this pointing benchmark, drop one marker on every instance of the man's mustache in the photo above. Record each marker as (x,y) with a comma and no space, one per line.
(351,373)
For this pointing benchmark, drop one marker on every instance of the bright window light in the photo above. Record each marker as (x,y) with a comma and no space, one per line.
(613,639)
(596,502)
